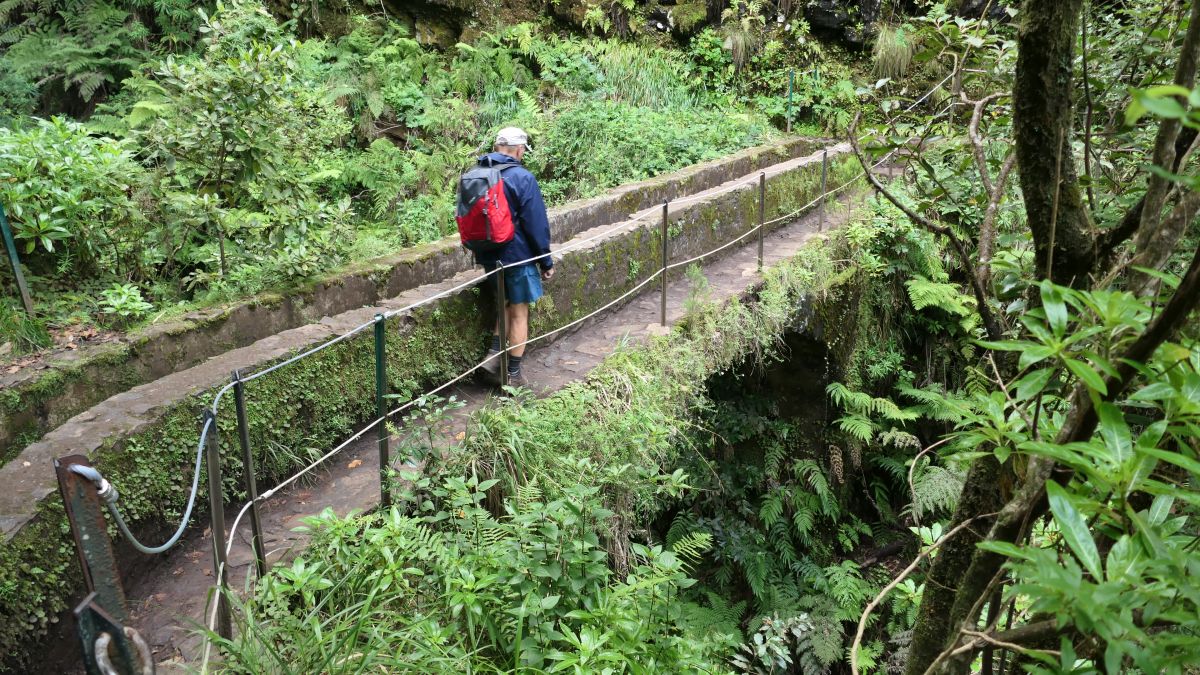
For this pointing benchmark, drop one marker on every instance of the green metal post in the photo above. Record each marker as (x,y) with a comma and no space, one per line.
(791,83)
(216,505)
(663,315)
(256,535)
(11,245)
(824,174)
(385,495)
(762,216)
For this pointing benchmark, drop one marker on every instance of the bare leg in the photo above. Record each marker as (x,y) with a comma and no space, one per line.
(518,328)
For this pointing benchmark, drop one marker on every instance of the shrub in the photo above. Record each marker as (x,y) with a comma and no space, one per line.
(70,199)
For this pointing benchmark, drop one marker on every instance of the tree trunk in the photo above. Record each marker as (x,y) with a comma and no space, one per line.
(1042,97)
(1042,118)
(981,494)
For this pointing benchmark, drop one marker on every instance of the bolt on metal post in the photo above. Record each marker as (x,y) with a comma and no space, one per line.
(663,237)
(762,215)
(385,495)
(502,322)
(256,535)
(216,507)
(824,174)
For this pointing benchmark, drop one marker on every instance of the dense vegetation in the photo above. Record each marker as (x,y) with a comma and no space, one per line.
(188,156)
(998,471)
(1012,409)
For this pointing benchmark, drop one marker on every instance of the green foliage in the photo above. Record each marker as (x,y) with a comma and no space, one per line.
(86,47)
(893,51)
(125,301)
(20,331)
(593,146)
(453,587)
(69,199)
(1134,490)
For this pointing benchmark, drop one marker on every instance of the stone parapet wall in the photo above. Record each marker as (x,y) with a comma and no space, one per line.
(34,401)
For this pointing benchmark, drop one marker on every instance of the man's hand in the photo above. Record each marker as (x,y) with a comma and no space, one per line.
(547,274)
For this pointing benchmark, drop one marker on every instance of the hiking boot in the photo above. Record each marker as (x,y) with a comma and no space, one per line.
(517,379)
(491,366)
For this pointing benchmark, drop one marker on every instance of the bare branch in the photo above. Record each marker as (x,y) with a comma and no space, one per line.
(987,228)
(977,140)
(1154,245)
(985,312)
(862,620)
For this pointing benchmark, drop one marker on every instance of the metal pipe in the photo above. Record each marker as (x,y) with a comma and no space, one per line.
(216,507)
(385,495)
(663,236)
(11,246)
(762,215)
(256,535)
(824,174)
(502,321)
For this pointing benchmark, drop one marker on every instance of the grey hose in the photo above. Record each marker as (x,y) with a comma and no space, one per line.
(109,494)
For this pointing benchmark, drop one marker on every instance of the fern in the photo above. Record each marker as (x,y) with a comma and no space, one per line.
(936,490)
(692,548)
(772,507)
(925,293)
(857,426)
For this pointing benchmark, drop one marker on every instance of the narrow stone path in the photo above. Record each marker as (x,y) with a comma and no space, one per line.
(168,605)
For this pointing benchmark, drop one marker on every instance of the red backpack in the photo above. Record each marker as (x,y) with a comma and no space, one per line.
(484,218)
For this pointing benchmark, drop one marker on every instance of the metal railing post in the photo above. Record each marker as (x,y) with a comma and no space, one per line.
(256,535)
(762,215)
(502,321)
(11,247)
(663,236)
(85,513)
(216,507)
(791,82)
(385,495)
(824,174)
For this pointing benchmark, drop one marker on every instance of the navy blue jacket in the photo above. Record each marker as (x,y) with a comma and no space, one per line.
(531,227)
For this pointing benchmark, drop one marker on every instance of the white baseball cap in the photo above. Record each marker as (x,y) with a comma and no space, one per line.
(512,136)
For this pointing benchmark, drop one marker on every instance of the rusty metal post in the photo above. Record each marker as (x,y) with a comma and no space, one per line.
(824,174)
(381,389)
(256,535)
(502,321)
(791,84)
(762,216)
(216,506)
(663,235)
(100,634)
(85,513)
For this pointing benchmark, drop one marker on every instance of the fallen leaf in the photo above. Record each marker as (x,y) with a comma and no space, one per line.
(208,571)
(354,464)
(460,435)
(177,571)
(13,369)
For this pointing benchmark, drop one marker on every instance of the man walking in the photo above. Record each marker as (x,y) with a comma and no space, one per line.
(530,246)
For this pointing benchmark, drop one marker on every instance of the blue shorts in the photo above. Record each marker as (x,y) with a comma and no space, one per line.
(522,284)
